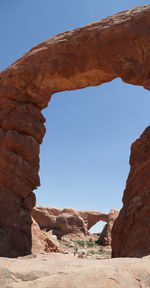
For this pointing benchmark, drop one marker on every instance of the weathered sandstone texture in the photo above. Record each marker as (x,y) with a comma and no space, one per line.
(92,217)
(118,46)
(63,271)
(105,236)
(43,242)
(131,231)
(46,216)
(67,220)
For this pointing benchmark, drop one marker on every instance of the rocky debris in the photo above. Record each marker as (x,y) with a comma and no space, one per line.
(117,46)
(105,236)
(84,247)
(43,242)
(66,221)
(131,230)
(62,271)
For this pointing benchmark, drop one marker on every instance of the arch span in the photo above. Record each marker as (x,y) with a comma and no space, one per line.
(67,220)
(118,46)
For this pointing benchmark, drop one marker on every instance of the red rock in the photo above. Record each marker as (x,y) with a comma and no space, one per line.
(15,225)
(67,221)
(117,46)
(131,231)
(24,145)
(46,216)
(105,236)
(41,241)
(92,217)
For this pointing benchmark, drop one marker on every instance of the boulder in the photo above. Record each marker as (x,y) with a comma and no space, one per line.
(69,221)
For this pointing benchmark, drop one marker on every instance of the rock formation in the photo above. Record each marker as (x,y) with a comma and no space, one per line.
(67,220)
(46,216)
(43,242)
(63,271)
(105,236)
(131,231)
(117,46)
(92,217)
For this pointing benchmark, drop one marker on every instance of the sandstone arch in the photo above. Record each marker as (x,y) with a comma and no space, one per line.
(47,218)
(118,46)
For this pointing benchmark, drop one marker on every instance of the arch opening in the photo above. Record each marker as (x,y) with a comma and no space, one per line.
(97,228)
(85,145)
(117,46)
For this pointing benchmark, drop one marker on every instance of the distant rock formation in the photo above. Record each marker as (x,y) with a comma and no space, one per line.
(67,220)
(43,242)
(46,216)
(92,217)
(105,236)
(118,46)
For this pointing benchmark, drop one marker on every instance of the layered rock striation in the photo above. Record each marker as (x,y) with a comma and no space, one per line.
(118,46)
(21,134)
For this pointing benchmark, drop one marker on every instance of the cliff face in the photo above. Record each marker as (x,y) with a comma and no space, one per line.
(131,231)
(118,46)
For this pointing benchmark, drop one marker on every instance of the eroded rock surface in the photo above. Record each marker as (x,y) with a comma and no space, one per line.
(43,242)
(46,216)
(92,217)
(118,46)
(67,220)
(131,230)
(105,236)
(63,271)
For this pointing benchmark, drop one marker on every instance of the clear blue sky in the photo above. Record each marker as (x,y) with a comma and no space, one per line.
(85,153)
